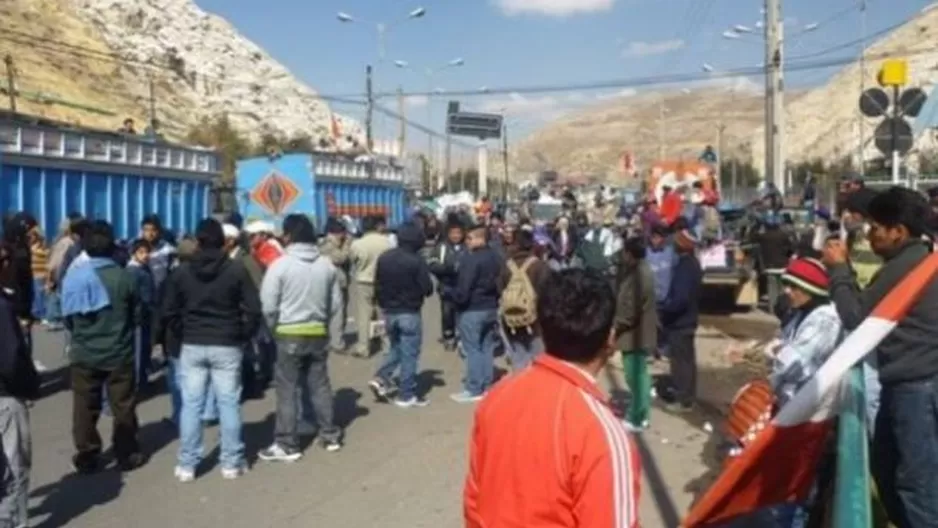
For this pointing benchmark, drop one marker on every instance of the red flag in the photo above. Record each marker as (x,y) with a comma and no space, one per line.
(780,464)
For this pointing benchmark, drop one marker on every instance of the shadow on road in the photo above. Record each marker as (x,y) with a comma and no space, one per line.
(428,380)
(659,488)
(65,500)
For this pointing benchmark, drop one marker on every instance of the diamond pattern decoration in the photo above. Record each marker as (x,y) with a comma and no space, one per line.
(275,193)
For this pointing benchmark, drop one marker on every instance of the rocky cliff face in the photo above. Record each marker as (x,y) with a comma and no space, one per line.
(91,62)
(822,123)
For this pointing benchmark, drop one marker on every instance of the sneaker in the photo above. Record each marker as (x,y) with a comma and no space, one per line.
(278,453)
(413,401)
(632,428)
(331,445)
(232,473)
(465,397)
(380,389)
(184,474)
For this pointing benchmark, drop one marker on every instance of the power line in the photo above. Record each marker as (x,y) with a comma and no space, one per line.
(660,80)
(848,44)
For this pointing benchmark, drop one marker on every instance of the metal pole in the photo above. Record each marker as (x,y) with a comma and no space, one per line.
(382,31)
(895,119)
(734,181)
(660,129)
(369,110)
(11,81)
(778,112)
(152,94)
(862,146)
(775,166)
(402,133)
(448,163)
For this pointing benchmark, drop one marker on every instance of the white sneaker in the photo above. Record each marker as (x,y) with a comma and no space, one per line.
(413,401)
(184,475)
(231,473)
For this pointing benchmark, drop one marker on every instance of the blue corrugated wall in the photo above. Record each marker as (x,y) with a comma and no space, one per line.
(121,198)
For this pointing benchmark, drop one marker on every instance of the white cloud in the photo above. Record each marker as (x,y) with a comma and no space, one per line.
(557,8)
(516,104)
(625,92)
(417,100)
(643,49)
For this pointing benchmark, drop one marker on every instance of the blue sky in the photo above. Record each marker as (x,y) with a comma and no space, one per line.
(533,42)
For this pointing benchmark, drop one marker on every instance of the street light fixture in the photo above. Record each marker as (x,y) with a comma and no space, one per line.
(739,28)
(730,34)
(401,64)
(706,67)
(381,27)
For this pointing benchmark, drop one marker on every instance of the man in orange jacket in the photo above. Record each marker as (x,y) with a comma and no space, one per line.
(546,449)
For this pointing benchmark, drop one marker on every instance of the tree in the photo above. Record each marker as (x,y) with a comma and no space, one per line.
(218,134)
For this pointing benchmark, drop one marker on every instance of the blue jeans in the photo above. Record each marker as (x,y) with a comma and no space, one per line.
(172,387)
(202,369)
(39,299)
(53,308)
(405,335)
(522,349)
(478,333)
(905,452)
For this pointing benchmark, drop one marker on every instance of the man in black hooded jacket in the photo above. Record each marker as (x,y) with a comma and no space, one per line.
(218,310)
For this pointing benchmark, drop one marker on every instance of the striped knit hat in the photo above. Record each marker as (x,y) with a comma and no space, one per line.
(807,274)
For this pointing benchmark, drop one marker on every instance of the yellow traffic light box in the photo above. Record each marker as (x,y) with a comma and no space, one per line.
(895,72)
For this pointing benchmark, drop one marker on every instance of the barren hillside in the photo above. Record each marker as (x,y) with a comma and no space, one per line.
(823,122)
(91,61)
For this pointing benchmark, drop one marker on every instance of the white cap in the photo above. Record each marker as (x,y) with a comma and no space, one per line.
(230,231)
(257,227)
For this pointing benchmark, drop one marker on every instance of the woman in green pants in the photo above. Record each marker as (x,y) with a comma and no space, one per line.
(636,327)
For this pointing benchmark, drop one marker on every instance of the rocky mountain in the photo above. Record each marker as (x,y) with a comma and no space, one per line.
(96,62)
(823,122)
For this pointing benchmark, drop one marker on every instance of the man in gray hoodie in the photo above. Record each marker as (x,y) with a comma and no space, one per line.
(301,299)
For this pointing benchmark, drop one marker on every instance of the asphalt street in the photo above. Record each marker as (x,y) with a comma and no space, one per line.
(399,467)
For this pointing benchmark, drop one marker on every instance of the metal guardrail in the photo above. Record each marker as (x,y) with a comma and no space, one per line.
(852,500)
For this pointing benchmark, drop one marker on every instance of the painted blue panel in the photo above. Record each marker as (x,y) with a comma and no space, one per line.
(72,191)
(9,188)
(54,202)
(251,173)
(96,196)
(118,207)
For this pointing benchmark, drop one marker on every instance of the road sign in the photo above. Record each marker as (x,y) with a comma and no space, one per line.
(874,102)
(482,126)
(895,72)
(892,134)
(911,102)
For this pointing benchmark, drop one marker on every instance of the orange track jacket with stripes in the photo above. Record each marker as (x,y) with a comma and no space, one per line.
(547,452)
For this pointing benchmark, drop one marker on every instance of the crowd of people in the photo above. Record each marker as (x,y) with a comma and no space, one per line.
(233,308)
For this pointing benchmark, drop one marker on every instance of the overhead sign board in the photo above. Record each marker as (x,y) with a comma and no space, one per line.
(482,126)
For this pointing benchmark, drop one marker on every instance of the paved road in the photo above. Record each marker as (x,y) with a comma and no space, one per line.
(400,468)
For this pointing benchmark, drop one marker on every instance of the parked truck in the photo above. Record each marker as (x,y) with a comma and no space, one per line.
(321,185)
(50,169)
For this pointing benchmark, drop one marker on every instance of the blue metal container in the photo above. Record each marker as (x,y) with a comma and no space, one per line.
(320,186)
(50,171)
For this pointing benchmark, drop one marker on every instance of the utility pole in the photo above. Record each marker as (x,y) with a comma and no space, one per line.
(775,109)
(505,160)
(11,81)
(152,96)
(448,163)
(860,121)
(402,133)
(369,110)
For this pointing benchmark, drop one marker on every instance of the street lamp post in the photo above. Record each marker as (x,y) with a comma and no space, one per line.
(382,29)
(430,73)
